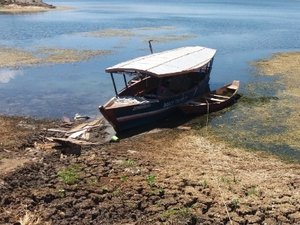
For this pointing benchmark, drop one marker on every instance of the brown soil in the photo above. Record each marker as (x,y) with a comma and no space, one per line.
(173,176)
(19,141)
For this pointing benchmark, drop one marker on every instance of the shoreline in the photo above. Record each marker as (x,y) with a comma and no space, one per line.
(165,176)
(15,9)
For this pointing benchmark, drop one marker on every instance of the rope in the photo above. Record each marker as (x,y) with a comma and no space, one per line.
(220,191)
(207,113)
(213,169)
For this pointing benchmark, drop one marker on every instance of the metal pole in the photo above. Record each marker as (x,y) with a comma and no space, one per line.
(150,46)
(125,81)
(113,80)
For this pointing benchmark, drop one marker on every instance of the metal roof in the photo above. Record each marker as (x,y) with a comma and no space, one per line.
(167,63)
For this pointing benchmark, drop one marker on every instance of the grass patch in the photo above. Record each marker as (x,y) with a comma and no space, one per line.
(151,180)
(234,204)
(252,191)
(124,178)
(70,175)
(204,183)
(128,163)
(182,212)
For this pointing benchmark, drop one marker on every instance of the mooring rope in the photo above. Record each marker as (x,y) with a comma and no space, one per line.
(220,190)
(213,169)
(207,113)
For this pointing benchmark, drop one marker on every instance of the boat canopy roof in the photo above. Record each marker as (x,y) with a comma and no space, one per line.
(168,63)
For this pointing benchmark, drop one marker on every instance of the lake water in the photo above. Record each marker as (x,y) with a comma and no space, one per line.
(241,31)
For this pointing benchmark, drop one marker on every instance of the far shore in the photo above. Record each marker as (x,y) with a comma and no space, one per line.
(14,8)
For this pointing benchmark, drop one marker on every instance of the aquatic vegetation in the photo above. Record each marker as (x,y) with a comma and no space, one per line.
(168,38)
(111,33)
(166,34)
(267,116)
(57,55)
(10,57)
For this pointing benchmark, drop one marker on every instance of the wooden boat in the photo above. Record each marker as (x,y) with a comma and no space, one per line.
(160,83)
(212,101)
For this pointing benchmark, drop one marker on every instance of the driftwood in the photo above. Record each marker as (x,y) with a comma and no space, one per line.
(79,136)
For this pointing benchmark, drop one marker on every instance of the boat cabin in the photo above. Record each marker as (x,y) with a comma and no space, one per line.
(163,74)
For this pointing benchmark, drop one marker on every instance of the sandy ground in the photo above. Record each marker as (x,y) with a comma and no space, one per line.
(167,176)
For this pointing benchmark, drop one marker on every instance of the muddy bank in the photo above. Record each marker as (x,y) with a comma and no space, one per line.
(18,138)
(148,179)
(11,57)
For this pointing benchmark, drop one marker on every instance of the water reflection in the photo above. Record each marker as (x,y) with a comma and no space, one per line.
(7,75)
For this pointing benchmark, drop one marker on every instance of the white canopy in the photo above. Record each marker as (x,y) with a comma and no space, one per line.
(167,63)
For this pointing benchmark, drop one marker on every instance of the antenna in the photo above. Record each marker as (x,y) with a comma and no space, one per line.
(150,46)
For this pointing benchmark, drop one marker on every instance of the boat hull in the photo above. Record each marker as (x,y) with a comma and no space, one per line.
(212,101)
(127,117)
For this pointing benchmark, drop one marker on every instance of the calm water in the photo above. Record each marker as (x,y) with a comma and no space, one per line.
(241,31)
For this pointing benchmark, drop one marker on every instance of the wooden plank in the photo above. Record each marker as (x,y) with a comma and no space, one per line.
(215,99)
(219,96)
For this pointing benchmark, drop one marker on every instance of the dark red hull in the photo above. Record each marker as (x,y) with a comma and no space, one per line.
(212,101)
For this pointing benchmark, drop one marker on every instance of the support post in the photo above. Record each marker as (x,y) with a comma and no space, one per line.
(125,81)
(113,80)
(150,46)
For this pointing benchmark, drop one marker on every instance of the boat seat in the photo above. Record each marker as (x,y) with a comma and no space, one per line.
(235,85)
(196,103)
(214,99)
(219,96)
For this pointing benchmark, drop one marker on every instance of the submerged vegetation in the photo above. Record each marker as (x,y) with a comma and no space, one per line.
(13,57)
(267,116)
(166,34)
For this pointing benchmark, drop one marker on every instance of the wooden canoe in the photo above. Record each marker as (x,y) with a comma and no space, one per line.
(213,101)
